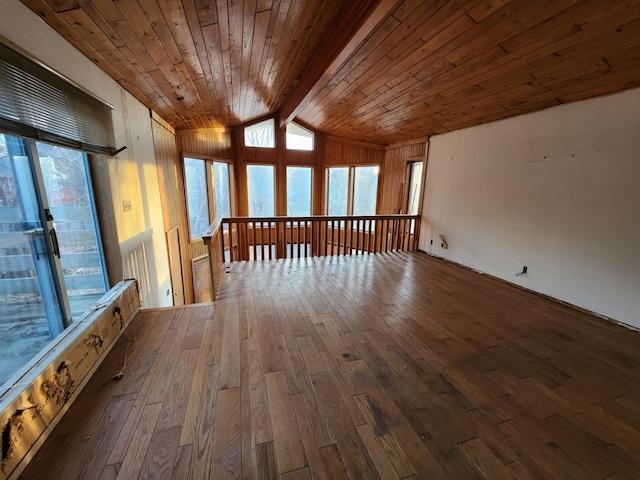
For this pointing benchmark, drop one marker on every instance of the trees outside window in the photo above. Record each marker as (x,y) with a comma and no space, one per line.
(261,190)
(195,179)
(299,191)
(222,189)
(365,190)
(261,134)
(352,190)
(338,191)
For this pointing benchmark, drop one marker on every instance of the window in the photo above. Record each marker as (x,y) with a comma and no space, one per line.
(415,184)
(352,190)
(261,135)
(195,179)
(261,186)
(50,251)
(338,194)
(299,138)
(365,190)
(221,187)
(299,191)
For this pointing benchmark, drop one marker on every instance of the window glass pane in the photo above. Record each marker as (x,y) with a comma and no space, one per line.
(223,196)
(260,134)
(298,191)
(298,138)
(66,182)
(260,180)
(365,189)
(415,182)
(30,314)
(197,200)
(337,197)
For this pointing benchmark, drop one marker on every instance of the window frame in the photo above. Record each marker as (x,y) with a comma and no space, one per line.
(209,161)
(351,186)
(408,182)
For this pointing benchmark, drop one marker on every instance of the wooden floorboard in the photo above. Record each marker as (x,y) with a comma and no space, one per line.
(389,366)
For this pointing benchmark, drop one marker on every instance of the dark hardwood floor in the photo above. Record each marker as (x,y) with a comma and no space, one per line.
(377,366)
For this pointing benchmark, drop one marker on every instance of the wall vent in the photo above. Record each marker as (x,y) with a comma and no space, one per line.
(201,279)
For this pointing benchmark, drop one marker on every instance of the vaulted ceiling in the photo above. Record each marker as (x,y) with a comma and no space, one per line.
(383,71)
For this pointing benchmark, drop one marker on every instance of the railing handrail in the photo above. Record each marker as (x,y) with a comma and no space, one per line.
(212,230)
(287,218)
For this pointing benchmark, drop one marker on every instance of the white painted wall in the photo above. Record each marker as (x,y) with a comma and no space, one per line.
(557,190)
(132,173)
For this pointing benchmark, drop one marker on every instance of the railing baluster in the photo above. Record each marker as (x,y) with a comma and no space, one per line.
(333,233)
(298,245)
(243,241)
(293,239)
(270,242)
(357,229)
(365,236)
(300,237)
(224,257)
(326,239)
(230,230)
(252,240)
(261,243)
(290,226)
(405,241)
(305,239)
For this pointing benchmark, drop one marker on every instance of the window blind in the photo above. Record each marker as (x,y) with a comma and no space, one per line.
(37,103)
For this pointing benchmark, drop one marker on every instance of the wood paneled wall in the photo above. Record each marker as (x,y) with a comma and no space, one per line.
(170,179)
(394,173)
(210,142)
(346,152)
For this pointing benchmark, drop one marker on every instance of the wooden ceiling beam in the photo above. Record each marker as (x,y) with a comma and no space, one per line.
(354,23)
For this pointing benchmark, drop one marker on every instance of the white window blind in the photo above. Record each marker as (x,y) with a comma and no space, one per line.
(37,103)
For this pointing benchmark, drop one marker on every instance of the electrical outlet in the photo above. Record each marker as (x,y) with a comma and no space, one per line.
(524,269)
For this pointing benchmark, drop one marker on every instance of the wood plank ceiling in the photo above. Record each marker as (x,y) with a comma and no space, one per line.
(383,71)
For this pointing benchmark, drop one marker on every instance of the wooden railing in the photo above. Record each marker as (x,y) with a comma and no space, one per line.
(266,238)
(251,238)
(213,240)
